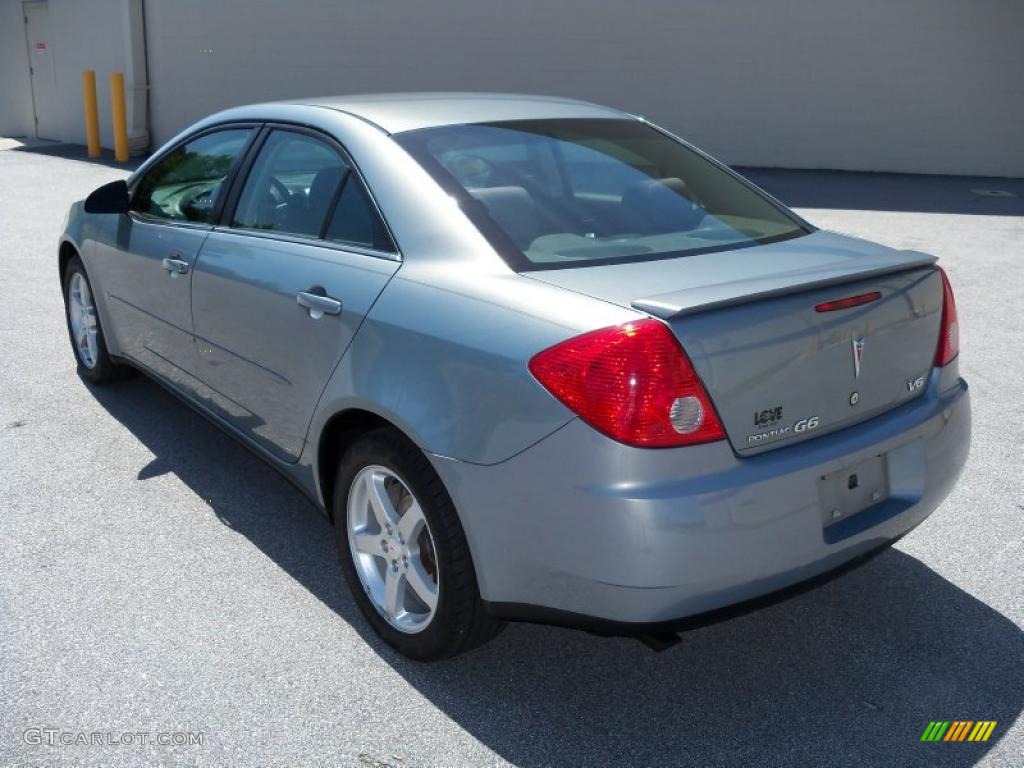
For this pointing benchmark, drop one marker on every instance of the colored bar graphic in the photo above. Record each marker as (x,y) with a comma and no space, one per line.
(965,728)
(958,730)
(935,730)
(983,736)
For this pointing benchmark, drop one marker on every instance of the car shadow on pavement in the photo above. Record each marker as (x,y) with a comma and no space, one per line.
(847,674)
(855,190)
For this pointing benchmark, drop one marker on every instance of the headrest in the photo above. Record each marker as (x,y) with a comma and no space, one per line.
(513,210)
(664,204)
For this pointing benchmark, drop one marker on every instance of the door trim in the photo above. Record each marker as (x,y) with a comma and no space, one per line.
(285,237)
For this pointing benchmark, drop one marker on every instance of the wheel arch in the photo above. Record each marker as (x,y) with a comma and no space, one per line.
(340,431)
(65,253)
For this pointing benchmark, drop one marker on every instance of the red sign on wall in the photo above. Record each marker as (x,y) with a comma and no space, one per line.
(40,46)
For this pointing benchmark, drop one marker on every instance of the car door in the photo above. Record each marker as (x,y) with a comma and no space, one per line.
(280,289)
(147,268)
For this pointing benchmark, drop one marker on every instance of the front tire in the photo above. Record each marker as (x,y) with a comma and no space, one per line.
(84,329)
(404,553)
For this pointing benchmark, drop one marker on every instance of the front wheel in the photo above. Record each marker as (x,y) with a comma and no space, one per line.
(84,327)
(404,552)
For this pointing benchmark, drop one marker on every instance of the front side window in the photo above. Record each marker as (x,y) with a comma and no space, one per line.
(580,192)
(292,185)
(185,185)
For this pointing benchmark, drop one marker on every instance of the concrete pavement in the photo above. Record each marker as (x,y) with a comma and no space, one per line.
(155,577)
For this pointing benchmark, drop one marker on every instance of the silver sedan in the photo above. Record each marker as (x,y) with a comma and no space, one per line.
(537,359)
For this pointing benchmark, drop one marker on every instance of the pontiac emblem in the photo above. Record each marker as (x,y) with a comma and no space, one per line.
(858,352)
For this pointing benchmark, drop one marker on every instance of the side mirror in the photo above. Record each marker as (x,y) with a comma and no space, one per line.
(110,198)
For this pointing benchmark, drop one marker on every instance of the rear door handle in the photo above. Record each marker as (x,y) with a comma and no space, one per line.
(318,303)
(175,267)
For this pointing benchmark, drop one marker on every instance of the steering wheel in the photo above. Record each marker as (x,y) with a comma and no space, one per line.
(199,203)
(283,195)
(275,202)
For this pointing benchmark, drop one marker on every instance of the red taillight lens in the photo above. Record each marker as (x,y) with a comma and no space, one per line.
(949,331)
(634,383)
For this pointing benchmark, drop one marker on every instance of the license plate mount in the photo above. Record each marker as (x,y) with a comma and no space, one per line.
(853,489)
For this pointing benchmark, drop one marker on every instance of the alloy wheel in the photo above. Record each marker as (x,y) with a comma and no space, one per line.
(82,314)
(393,549)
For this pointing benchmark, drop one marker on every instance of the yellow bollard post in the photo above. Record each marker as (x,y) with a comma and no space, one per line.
(120,118)
(92,115)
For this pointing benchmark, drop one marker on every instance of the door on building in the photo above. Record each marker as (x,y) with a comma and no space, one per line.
(41,69)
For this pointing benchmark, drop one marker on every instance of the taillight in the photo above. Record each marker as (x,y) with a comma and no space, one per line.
(949,331)
(633,382)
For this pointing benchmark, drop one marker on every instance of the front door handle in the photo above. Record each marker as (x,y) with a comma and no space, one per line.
(318,303)
(175,267)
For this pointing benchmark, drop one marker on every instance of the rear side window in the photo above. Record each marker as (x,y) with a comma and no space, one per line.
(291,186)
(356,220)
(185,185)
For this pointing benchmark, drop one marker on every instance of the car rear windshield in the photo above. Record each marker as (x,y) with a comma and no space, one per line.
(552,194)
(580,192)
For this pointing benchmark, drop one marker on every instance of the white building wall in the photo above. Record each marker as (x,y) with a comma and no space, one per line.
(929,86)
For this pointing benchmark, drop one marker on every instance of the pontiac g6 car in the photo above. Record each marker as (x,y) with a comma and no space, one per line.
(537,359)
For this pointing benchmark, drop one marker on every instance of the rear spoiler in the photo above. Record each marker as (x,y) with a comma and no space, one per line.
(691,300)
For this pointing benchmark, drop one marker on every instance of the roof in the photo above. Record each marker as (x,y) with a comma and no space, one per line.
(396,112)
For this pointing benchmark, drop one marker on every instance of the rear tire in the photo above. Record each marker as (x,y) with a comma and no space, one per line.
(84,328)
(457,622)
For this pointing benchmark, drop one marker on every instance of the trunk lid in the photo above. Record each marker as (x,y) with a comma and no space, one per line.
(777,370)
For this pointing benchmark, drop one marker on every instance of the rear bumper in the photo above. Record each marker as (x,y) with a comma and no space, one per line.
(584,531)
(538,614)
